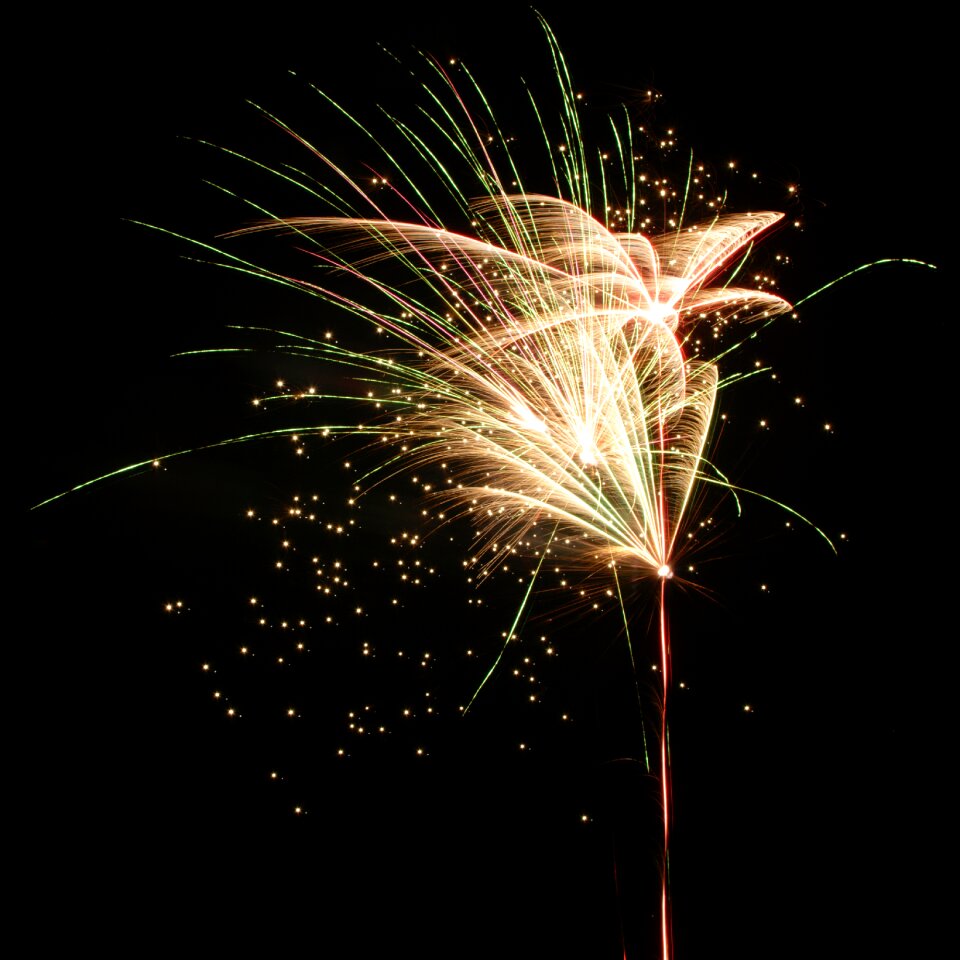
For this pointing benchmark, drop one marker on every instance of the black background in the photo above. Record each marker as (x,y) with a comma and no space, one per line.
(809,826)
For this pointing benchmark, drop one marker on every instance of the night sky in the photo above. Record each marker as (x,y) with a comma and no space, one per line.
(805,825)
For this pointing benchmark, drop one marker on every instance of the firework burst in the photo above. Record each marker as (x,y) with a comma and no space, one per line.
(544,356)
(541,347)
(795,820)
(553,372)
(547,353)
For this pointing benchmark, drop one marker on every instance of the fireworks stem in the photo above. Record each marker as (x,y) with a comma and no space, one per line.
(665,921)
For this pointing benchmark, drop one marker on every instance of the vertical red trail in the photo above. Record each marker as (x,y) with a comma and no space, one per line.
(666,932)
(664,572)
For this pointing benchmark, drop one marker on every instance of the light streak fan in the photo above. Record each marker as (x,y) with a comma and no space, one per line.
(553,372)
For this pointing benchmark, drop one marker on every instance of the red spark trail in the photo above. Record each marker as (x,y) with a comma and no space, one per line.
(665,931)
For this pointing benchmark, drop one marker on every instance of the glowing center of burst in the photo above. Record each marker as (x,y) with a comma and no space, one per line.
(665,573)
(588,452)
(662,313)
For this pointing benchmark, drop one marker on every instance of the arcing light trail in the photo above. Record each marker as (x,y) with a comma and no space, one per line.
(543,350)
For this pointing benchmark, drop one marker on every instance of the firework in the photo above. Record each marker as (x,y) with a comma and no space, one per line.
(539,346)
(542,347)
(853,150)
(547,353)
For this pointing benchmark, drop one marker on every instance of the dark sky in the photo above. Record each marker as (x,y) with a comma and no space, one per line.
(804,825)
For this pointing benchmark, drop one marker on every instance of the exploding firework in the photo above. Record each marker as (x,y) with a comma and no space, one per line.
(539,349)
(542,360)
